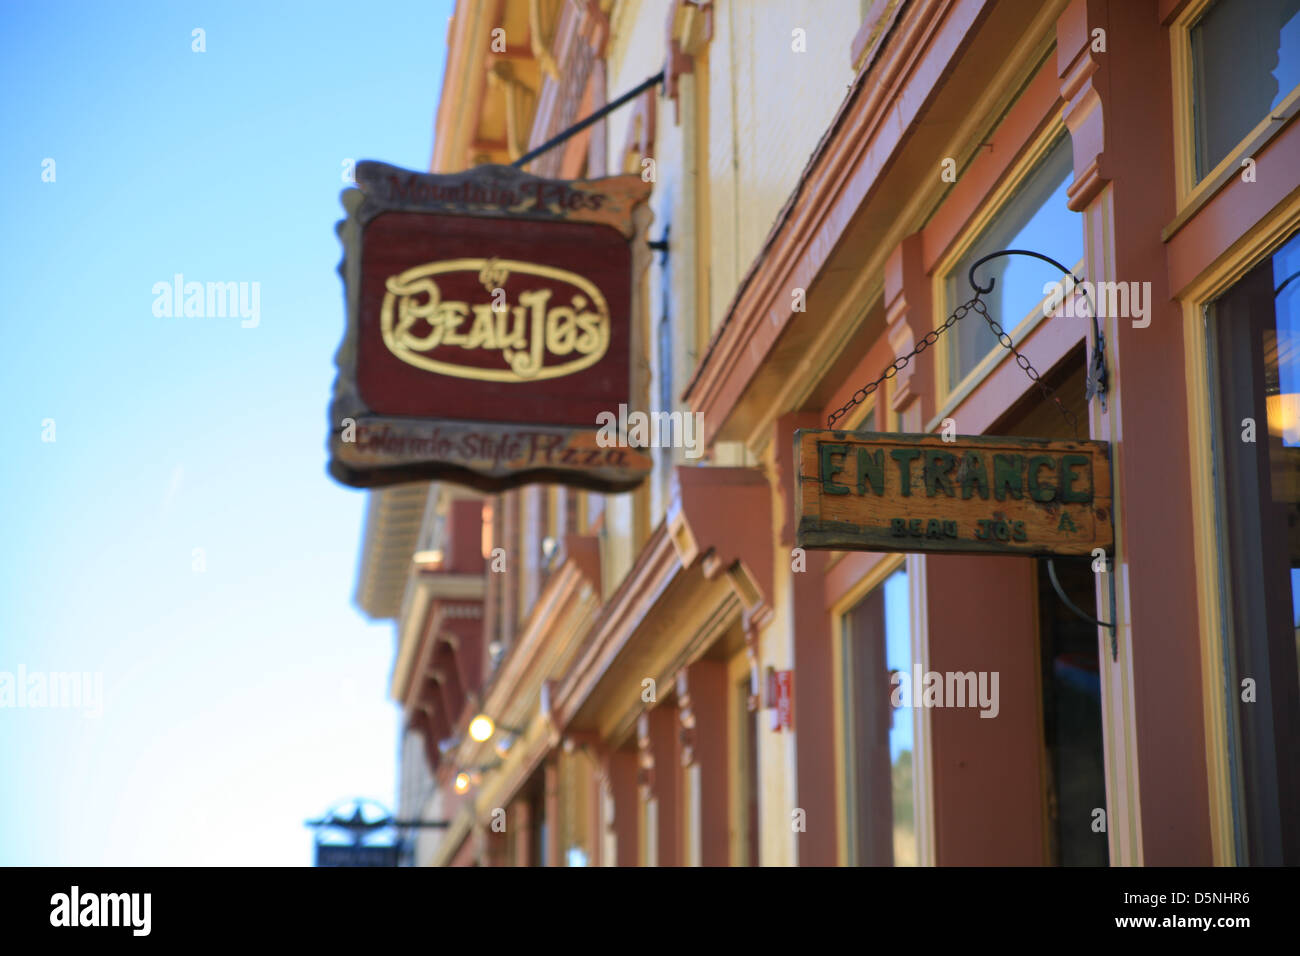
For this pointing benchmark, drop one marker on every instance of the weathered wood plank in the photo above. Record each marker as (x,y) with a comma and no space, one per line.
(977,494)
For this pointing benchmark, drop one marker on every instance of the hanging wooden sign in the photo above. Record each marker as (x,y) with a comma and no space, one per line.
(978,494)
(490,319)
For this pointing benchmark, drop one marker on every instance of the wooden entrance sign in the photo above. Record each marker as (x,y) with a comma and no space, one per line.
(977,494)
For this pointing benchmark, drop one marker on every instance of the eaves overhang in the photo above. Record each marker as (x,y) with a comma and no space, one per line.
(872,180)
(392,528)
(700,571)
(427,589)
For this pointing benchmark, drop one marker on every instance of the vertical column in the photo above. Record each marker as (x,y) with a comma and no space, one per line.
(509,580)
(495,845)
(987,773)
(662,786)
(622,771)
(597,783)
(551,778)
(523,824)
(814,667)
(908,314)
(707,759)
(492,593)
(1119,111)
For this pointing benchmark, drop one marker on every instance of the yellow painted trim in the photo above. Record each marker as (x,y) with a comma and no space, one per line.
(1180,45)
(922,739)
(582,510)
(1231,165)
(1207,571)
(947,398)
(1216,280)
(843,731)
(703,221)
(854,419)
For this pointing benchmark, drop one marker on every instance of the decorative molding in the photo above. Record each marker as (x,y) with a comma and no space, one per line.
(686,717)
(1083,87)
(640,141)
(690,28)
(581,34)
(908,311)
(521,100)
(543,17)
(698,530)
(429,591)
(645,763)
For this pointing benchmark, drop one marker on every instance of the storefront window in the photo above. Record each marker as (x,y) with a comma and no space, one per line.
(879,738)
(1254,332)
(1245,61)
(1036,218)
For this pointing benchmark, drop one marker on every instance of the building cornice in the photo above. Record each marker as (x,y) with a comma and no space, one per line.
(429,587)
(816,215)
(696,574)
(863,185)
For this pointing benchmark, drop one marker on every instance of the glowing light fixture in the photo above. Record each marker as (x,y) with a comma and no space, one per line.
(1284,416)
(481,728)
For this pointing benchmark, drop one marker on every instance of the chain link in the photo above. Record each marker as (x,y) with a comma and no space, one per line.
(974,304)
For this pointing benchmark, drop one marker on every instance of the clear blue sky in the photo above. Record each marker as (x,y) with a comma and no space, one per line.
(241,699)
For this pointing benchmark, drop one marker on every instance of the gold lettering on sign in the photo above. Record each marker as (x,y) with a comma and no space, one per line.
(415,319)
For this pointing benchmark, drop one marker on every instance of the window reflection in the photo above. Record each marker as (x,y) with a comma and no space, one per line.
(879,738)
(1245,61)
(1255,331)
(1036,218)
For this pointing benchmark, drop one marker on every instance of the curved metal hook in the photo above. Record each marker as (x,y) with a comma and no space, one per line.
(970,277)
(1060,592)
(1097,361)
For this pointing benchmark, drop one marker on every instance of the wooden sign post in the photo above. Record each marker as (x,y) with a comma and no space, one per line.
(977,494)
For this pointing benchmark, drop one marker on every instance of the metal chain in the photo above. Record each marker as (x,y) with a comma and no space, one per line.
(1005,341)
(974,304)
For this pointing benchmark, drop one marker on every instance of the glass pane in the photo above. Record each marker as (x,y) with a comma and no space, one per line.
(1037,219)
(1245,61)
(1255,330)
(882,828)
(898,651)
(1072,715)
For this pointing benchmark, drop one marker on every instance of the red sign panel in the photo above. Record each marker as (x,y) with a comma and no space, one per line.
(490,318)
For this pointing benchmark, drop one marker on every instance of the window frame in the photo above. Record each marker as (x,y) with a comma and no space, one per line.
(863,416)
(948,397)
(1220,743)
(1192,193)
(921,779)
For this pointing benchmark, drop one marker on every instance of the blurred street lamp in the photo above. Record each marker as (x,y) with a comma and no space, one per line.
(482,727)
